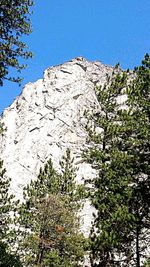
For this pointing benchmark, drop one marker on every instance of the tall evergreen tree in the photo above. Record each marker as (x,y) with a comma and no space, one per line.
(7,235)
(120,153)
(49,224)
(136,139)
(110,234)
(14,22)
(5,202)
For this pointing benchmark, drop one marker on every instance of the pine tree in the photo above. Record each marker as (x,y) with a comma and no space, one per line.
(49,223)
(136,138)
(7,235)
(120,152)
(14,23)
(110,234)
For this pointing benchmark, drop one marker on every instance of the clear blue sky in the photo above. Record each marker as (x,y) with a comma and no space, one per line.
(107,30)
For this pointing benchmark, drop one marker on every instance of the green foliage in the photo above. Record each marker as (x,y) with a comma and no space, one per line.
(147,263)
(110,234)
(137,137)
(6,203)
(7,209)
(119,138)
(48,221)
(15,22)
(7,259)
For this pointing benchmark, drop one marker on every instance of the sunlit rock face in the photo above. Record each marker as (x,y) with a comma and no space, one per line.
(47,118)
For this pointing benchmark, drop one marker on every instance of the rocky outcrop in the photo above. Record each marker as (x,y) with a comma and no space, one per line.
(47,118)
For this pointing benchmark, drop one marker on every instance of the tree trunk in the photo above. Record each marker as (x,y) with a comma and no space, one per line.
(39,257)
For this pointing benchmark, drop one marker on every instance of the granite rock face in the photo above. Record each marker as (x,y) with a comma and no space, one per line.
(47,118)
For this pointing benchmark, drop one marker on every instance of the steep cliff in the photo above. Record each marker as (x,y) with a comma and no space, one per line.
(47,118)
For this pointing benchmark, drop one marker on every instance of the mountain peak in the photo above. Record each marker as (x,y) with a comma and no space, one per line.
(47,118)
